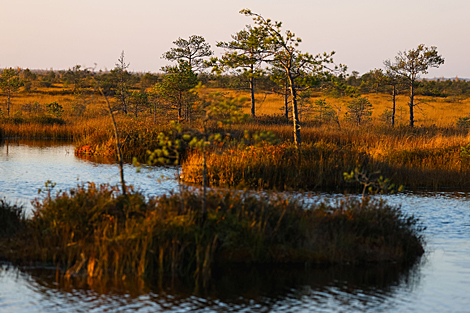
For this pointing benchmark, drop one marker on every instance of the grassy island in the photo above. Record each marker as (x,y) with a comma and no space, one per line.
(95,231)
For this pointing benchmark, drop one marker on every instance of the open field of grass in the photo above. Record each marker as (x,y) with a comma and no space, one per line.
(437,111)
(431,111)
(21,102)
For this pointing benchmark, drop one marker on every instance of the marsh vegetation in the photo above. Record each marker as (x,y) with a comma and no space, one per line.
(199,120)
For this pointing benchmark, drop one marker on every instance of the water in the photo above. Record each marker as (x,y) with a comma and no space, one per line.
(439,282)
(26,166)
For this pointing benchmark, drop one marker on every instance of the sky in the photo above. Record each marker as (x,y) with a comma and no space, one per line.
(59,34)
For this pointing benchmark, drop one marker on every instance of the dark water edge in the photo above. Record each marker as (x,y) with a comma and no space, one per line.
(345,288)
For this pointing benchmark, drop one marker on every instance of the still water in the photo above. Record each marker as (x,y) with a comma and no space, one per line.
(26,165)
(439,282)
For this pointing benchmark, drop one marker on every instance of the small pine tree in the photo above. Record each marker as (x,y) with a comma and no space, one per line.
(359,110)
(323,112)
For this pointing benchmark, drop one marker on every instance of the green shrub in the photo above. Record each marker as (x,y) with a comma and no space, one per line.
(55,108)
(463,122)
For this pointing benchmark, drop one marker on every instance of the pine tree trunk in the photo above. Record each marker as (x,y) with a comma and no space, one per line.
(123,97)
(180,104)
(411,103)
(8,101)
(252,93)
(394,93)
(286,102)
(295,112)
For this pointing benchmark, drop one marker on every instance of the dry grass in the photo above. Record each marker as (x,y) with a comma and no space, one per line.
(441,112)
(91,128)
(426,156)
(95,104)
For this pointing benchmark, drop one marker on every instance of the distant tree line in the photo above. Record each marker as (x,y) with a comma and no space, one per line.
(365,84)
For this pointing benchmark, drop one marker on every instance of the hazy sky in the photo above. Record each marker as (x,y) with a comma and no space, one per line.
(59,34)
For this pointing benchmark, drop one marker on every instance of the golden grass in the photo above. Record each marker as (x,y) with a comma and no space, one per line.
(92,127)
(95,103)
(75,129)
(428,155)
(441,112)
(421,157)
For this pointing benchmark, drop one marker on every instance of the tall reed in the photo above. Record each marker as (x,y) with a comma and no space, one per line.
(281,167)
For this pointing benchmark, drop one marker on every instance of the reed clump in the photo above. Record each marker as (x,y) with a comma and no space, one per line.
(92,230)
(280,167)
(137,136)
(50,127)
(417,158)
(37,127)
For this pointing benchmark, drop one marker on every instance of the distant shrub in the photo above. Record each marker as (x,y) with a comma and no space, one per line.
(16,120)
(78,108)
(386,117)
(19,119)
(359,110)
(274,119)
(323,112)
(463,122)
(48,120)
(55,108)
(31,107)
(44,83)
(27,86)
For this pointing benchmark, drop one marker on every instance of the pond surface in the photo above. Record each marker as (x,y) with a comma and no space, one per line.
(26,165)
(439,282)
